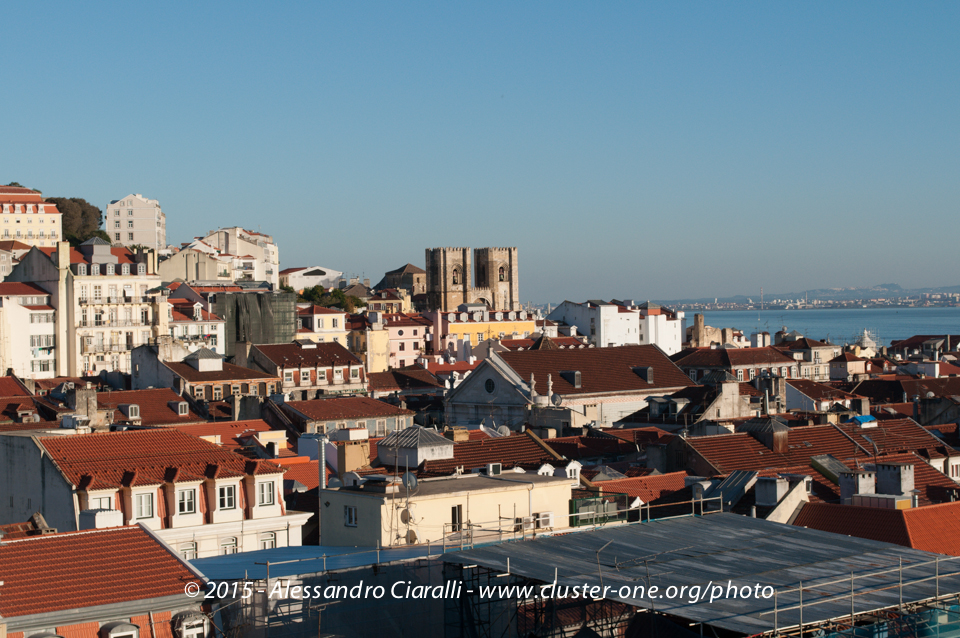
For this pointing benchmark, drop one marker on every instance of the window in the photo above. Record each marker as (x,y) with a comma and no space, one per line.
(116,236)
(141,269)
(228,497)
(228,546)
(129,213)
(129,223)
(116,224)
(354,373)
(265,493)
(342,425)
(268,540)
(288,376)
(189,552)
(217,393)
(130,236)
(402,346)
(334,322)
(116,213)
(381,428)
(338,374)
(95,269)
(125,269)
(144,504)
(305,376)
(101,503)
(187,501)
(321,375)
(350,515)
(739,375)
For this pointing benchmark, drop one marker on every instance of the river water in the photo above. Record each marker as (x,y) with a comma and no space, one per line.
(840,325)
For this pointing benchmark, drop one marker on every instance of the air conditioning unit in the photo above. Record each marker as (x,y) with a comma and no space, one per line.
(529,523)
(544,520)
(494,469)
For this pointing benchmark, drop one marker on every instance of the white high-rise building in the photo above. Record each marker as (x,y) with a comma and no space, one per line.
(136,220)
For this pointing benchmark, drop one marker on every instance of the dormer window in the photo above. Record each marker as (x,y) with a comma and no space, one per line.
(141,269)
(81,269)
(125,269)
(95,269)
(40,209)
(133,411)
(110,269)
(183,408)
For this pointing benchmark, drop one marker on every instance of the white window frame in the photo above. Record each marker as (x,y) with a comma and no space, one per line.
(100,503)
(187,498)
(227,494)
(350,515)
(266,493)
(188,551)
(268,540)
(227,544)
(144,505)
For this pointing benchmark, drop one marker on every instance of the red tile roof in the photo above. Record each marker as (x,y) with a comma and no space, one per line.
(346,408)
(319,310)
(154,405)
(15,288)
(231,433)
(641,436)
(229,372)
(84,569)
(177,316)
(526,344)
(581,447)
(741,451)
(510,451)
(646,488)
(819,391)
(293,355)
(729,358)
(934,528)
(144,457)
(846,356)
(601,369)
(123,255)
(11,387)
(408,378)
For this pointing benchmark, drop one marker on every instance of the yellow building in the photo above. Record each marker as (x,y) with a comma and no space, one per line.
(370,342)
(322,325)
(25,217)
(471,507)
(473,324)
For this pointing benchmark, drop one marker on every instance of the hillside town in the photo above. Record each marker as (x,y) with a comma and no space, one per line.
(199,442)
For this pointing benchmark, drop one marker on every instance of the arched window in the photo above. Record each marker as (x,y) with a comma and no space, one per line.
(141,269)
(110,269)
(501,273)
(125,269)
(456,276)
(95,269)
(228,546)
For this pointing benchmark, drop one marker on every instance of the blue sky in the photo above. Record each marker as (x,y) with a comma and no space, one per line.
(630,150)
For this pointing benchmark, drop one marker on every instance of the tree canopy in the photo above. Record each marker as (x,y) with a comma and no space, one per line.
(81,220)
(333,298)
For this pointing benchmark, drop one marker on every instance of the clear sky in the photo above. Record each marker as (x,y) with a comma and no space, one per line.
(630,150)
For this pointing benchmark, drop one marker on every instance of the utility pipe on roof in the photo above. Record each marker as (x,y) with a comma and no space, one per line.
(529,491)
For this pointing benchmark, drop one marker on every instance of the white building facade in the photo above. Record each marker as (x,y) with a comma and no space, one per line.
(255,255)
(136,220)
(28,339)
(608,325)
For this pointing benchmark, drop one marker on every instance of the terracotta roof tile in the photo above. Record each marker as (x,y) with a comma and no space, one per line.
(346,408)
(84,569)
(728,358)
(154,405)
(601,369)
(293,355)
(408,378)
(10,387)
(646,488)
(229,372)
(142,457)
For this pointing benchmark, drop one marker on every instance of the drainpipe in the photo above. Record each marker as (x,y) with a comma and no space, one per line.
(322,457)
(529,492)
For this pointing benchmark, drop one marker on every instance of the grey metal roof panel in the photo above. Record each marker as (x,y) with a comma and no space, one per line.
(726,548)
(202,353)
(414,437)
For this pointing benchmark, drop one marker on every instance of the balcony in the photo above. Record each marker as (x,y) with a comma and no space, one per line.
(103,301)
(113,324)
(122,346)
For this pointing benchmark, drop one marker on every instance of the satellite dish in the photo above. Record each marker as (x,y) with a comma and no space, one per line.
(405,516)
(334,482)
(556,400)
(409,482)
(503,430)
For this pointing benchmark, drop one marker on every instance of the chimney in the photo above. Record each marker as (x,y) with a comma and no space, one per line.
(852,483)
(861,406)
(895,478)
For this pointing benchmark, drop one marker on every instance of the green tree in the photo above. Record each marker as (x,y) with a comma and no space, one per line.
(81,220)
(17,184)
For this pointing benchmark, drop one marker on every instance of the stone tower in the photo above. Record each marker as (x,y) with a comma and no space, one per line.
(451,279)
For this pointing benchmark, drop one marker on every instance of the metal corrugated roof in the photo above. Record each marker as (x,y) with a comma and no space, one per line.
(721,548)
(415,437)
